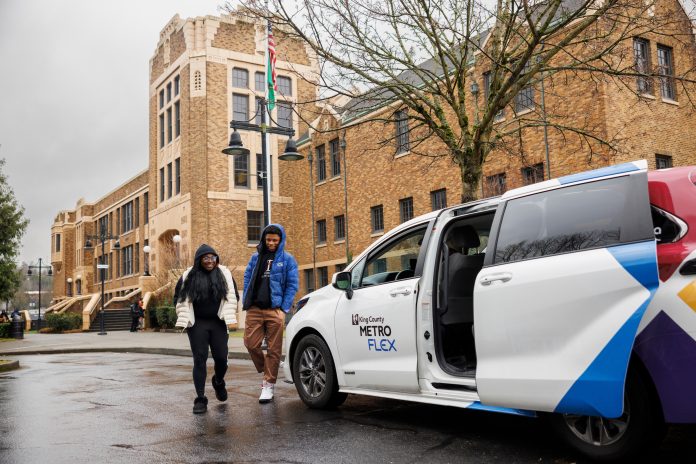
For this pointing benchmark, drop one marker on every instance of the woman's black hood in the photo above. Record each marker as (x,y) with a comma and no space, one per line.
(202,251)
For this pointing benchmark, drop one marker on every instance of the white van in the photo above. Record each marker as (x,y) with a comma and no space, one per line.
(529,303)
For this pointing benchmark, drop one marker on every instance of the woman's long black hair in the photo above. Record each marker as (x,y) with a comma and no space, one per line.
(201,285)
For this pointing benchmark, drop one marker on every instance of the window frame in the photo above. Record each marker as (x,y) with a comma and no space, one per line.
(339,226)
(405,208)
(321,231)
(642,63)
(238,97)
(530,174)
(240,78)
(402,132)
(251,214)
(435,201)
(373,218)
(665,66)
(320,152)
(335,156)
(281,81)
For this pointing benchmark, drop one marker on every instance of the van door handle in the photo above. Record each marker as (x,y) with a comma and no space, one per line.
(490,278)
(400,291)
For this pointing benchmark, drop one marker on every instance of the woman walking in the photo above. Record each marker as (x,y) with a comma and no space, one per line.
(205,306)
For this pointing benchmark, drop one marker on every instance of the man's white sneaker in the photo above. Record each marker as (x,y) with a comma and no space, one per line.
(266,392)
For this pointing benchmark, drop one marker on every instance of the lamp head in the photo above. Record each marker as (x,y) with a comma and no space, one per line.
(290,153)
(235,147)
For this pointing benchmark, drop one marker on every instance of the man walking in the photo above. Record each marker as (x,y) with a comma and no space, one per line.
(270,283)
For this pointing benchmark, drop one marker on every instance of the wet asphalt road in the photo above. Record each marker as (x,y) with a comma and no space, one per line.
(113,408)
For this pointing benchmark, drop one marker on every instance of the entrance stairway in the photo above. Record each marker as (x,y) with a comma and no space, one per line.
(114,319)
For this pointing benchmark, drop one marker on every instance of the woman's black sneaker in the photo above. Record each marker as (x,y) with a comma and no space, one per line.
(200,405)
(220,390)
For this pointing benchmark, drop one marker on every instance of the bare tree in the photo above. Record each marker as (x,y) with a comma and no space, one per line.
(423,56)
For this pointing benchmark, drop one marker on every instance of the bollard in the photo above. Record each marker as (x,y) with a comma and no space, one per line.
(17,328)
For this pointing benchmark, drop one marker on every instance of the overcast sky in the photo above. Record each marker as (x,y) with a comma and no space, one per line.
(74,99)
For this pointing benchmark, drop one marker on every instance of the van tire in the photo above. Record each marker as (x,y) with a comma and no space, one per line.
(642,418)
(314,374)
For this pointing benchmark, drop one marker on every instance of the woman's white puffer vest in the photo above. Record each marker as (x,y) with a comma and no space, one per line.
(228,307)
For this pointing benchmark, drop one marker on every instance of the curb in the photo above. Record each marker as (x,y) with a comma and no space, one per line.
(10,366)
(164,351)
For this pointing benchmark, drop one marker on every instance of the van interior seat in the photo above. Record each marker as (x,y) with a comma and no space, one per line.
(463,269)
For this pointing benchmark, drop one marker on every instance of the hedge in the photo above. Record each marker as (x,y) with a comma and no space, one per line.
(166,316)
(65,321)
(5,328)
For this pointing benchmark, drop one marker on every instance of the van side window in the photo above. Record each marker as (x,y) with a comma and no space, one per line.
(396,261)
(580,217)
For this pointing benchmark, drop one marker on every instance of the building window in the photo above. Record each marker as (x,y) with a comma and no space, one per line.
(161,184)
(335,158)
(377,218)
(339,227)
(309,280)
(663,161)
(260,81)
(146,207)
(665,63)
(641,53)
(261,169)
(136,212)
(177,176)
(533,174)
(161,131)
(402,144)
(240,78)
(170,113)
(241,171)
(321,163)
(323,276)
(127,217)
(136,258)
(438,198)
(341,267)
(169,125)
(487,82)
(524,100)
(406,209)
(240,107)
(254,226)
(285,114)
(177,119)
(169,180)
(321,231)
(57,243)
(78,287)
(127,261)
(496,184)
(103,224)
(284,85)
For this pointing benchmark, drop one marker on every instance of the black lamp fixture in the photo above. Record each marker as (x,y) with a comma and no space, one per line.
(236,147)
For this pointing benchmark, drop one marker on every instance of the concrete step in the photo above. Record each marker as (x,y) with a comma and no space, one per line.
(114,319)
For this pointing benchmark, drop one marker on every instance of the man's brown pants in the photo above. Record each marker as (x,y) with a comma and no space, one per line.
(267,323)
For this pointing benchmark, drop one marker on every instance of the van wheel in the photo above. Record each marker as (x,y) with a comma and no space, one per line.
(639,428)
(315,375)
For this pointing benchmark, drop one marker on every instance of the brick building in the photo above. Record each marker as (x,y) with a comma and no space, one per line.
(208,71)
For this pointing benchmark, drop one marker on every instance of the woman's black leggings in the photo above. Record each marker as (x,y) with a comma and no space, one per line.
(208,333)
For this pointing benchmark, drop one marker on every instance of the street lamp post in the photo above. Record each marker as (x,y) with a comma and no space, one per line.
(146,251)
(235,147)
(103,236)
(343,146)
(40,268)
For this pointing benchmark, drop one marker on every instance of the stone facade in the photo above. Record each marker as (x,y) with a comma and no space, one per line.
(194,192)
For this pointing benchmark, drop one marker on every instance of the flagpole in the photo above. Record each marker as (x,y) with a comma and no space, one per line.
(266,140)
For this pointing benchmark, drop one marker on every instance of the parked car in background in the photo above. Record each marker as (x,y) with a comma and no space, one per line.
(573,299)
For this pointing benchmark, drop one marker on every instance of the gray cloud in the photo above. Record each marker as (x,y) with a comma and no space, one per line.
(73,113)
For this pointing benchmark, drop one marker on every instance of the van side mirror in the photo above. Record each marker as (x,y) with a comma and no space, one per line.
(343,281)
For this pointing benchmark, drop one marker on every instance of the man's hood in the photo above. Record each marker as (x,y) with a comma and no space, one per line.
(262,244)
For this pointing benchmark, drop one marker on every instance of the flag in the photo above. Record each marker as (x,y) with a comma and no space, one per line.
(270,69)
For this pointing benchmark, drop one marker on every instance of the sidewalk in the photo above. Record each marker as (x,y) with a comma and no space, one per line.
(176,344)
